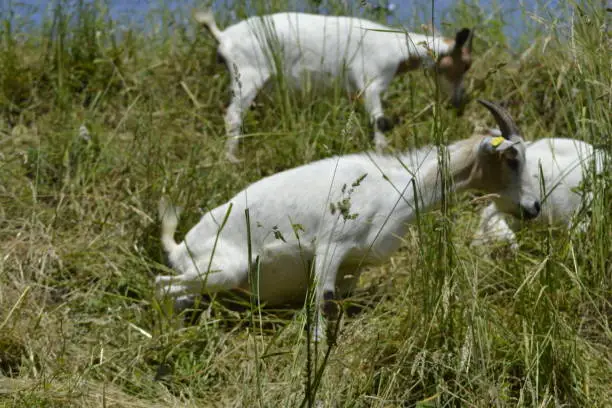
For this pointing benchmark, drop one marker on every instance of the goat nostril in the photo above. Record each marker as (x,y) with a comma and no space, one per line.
(531,211)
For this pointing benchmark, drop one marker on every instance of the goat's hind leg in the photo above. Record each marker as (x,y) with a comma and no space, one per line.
(246,83)
(231,275)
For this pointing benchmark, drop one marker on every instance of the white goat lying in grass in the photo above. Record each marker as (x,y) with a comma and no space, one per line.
(554,168)
(339,213)
(327,47)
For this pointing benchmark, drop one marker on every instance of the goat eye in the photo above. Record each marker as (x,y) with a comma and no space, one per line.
(513,164)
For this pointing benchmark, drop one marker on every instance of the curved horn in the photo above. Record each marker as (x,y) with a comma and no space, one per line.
(502,117)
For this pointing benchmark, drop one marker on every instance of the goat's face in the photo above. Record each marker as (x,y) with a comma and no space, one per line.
(500,168)
(452,67)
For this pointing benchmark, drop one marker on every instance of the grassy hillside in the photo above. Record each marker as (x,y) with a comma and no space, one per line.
(438,325)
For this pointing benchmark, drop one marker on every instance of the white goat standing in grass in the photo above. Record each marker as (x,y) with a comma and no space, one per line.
(327,47)
(339,213)
(554,168)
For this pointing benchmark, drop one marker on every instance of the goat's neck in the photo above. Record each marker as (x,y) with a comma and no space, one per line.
(460,158)
(423,50)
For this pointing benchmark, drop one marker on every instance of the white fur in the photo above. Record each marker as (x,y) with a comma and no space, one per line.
(351,210)
(321,48)
(554,167)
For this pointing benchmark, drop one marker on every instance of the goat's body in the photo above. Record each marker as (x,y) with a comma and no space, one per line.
(304,196)
(309,49)
(332,217)
(326,46)
(554,168)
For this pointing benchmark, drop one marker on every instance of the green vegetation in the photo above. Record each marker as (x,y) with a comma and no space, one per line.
(439,325)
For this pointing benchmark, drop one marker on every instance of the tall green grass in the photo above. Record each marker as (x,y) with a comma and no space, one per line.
(438,325)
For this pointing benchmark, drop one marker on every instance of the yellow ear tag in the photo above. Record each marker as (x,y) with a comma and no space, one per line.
(496,141)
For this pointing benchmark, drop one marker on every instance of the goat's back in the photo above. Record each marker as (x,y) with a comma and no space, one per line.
(311,41)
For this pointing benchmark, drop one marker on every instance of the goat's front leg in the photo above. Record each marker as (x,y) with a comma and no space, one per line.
(373,105)
(494,228)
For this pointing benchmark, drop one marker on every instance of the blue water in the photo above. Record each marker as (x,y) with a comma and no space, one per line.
(517,15)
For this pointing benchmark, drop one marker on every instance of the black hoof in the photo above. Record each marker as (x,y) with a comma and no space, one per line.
(330,307)
(383,124)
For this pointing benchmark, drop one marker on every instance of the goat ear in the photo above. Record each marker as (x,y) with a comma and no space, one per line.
(505,146)
(461,38)
(496,144)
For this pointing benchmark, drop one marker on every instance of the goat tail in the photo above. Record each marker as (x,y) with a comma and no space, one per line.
(169,216)
(207,19)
